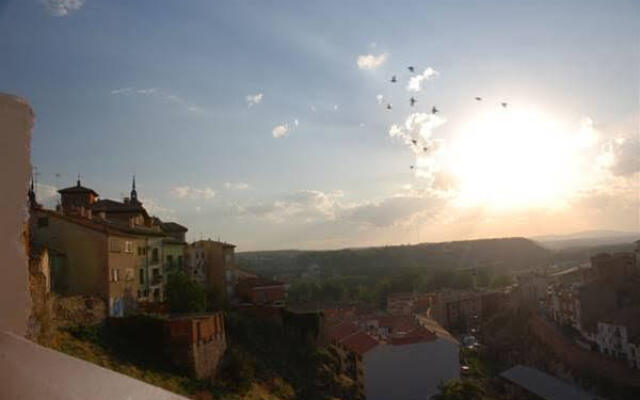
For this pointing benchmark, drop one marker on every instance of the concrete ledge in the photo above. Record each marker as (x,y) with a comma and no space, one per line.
(30,371)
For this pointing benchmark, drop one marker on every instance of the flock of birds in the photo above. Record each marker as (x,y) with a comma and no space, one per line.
(434,109)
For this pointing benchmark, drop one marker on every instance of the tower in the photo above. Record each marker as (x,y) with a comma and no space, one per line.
(134,194)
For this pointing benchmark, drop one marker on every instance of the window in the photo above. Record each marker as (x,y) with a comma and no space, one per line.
(154,255)
(142,276)
(115,275)
(179,261)
(115,246)
(169,261)
(129,275)
(43,222)
(128,247)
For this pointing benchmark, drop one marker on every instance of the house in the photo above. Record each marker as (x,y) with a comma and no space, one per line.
(529,381)
(216,260)
(98,257)
(618,335)
(457,309)
(393,357)
(261,291)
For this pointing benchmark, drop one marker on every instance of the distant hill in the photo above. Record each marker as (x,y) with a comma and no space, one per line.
(587,239)
(507,254)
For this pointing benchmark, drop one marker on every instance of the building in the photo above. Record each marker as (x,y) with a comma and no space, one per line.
(196,343)
(393,357)
(155,247)
(216,260)
(618,336)
(459,310)
(261,291)
(97,257)
(409,303)
(529,381)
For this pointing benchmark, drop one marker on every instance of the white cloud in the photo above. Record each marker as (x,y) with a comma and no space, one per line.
(416,81)
(236,185)
(61,8)
(158,94)
(418,127)
(282,130)
(154,208)
(379,98)
(193,193)
(371,61)
(47,195)
(253,99)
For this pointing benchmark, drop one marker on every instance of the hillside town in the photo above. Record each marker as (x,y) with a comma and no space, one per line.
(102,260)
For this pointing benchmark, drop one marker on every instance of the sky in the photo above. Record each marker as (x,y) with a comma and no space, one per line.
(275,124)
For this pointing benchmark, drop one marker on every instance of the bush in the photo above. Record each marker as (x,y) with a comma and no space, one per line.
(237,369)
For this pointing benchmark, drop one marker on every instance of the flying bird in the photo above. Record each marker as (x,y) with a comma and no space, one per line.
(411,69)
(389,107)
(425,149)
(411,167)
(412,101)
(504,105)
(414,141)
(393,79)
(434,110)
(478,98)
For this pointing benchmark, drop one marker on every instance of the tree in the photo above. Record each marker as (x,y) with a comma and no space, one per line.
(184,295)
(461,390)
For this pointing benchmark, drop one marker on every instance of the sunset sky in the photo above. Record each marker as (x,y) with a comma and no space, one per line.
(265,123)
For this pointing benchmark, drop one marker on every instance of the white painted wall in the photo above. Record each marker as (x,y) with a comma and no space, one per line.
(409,372)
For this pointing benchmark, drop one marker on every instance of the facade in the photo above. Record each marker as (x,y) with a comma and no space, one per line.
(618,336)
(394,357)
(196,343)
(219,265)
(99,258)
(458,309)
(92,232)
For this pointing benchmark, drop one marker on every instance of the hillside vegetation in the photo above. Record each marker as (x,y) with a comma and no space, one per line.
(507,254)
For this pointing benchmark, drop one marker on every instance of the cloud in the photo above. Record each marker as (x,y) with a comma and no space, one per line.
(236,185)
(416,81)
(282,130)
(253,99)
(371,61)
(418,127)
(61,8)
(314,206)
(193,193)
(160,95)
(154,208)
(47,195)
(379,98)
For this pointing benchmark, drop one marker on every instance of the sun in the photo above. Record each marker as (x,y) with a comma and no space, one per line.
(510,158)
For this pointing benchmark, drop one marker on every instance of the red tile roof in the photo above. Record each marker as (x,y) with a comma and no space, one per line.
(342,329)
(359,342)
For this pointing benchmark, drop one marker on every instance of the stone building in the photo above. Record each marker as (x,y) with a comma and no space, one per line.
(196,343)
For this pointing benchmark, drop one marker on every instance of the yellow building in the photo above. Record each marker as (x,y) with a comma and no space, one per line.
(100,257)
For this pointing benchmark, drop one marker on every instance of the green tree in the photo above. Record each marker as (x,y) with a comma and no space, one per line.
(461,390)
(184,295)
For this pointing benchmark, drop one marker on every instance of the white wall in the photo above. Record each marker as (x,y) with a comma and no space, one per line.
(409,372)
